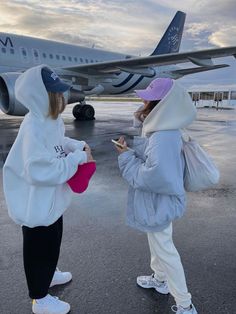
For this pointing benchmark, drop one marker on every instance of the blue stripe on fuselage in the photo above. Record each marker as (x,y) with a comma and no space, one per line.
(128,78)
(132,86)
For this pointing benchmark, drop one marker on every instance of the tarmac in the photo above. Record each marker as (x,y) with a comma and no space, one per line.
(104,255)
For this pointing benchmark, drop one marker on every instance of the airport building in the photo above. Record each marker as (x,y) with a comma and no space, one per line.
(217,97)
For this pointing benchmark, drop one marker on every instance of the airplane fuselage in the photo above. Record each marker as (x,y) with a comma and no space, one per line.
(18,53)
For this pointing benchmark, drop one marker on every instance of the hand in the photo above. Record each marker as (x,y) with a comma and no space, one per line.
(87,150)
(123,142)
(86,146)
(90,158)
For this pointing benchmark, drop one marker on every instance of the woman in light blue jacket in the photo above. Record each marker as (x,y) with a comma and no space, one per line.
(154,169)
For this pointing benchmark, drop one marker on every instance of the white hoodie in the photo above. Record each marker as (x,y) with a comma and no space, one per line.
(37,167)
(174,111)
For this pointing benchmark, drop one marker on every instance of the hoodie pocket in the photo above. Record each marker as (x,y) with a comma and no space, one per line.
(145,213)
(156,210)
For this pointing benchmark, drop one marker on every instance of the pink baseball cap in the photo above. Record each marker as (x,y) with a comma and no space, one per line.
(156,90)
(80,180)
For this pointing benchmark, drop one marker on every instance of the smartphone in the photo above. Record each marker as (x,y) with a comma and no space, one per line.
(117,143)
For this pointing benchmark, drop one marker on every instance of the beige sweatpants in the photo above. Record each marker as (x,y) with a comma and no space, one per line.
(167,265)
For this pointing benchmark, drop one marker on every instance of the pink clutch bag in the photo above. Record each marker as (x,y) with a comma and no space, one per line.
(80,180)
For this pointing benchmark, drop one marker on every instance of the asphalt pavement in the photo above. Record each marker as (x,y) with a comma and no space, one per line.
(104,255)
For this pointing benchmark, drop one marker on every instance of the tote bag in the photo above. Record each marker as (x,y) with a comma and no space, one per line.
(200,171)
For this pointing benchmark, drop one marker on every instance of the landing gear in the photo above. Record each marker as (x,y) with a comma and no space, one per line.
(83,112)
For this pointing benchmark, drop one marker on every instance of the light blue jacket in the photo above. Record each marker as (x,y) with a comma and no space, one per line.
(154,170)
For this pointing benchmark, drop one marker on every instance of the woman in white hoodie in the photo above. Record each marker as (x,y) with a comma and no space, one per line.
(35,173)
(154,169)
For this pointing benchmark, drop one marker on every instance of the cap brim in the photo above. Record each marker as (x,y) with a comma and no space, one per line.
(146,94)
(59,87)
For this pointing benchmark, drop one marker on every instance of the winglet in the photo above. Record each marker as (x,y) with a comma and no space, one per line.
(170,41)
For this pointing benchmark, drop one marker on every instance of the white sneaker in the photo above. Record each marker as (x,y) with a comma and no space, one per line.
(152,282)
(180,310)
(50,305)
(60,278)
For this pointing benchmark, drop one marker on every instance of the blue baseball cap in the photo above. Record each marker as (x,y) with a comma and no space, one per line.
(52,81)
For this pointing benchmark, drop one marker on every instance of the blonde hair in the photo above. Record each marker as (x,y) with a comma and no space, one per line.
(57,104)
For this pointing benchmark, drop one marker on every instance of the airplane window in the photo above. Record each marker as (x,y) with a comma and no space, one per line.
(58,57)
(4,50)
(44,55)
(36,57)
(50,56)
(63,58)
(86,60)
(75,58)
(70,59)
(24,52)
(91,61)
(12,51)
(81,60)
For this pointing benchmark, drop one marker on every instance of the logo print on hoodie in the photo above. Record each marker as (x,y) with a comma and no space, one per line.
(60,151)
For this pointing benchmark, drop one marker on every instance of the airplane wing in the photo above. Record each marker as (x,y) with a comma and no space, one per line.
(187,71)
(201,58)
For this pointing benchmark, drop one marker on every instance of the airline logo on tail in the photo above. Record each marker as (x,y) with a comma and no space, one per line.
(174,38)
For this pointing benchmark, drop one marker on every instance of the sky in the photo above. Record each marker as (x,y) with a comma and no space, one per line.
(130,26)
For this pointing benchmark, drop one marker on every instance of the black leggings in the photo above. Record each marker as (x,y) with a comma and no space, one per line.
(41,249)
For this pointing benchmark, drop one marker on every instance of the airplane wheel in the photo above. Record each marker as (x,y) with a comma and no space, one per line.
(88,112)
(77,111)
(83,112)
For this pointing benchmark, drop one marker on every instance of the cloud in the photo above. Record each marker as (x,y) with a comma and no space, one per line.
(226,36)
(132,27)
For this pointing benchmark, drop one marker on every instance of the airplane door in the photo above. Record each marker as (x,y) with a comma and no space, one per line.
(36,56)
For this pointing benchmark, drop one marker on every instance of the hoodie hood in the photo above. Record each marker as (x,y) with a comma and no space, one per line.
(174,111)
(31,92)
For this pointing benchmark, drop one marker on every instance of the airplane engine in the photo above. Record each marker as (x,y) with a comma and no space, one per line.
(8,102)
(10,105)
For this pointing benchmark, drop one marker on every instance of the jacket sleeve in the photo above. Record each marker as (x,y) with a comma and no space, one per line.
(156,173)
(42,168)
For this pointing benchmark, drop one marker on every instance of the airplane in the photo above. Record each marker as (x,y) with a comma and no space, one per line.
(98,72)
